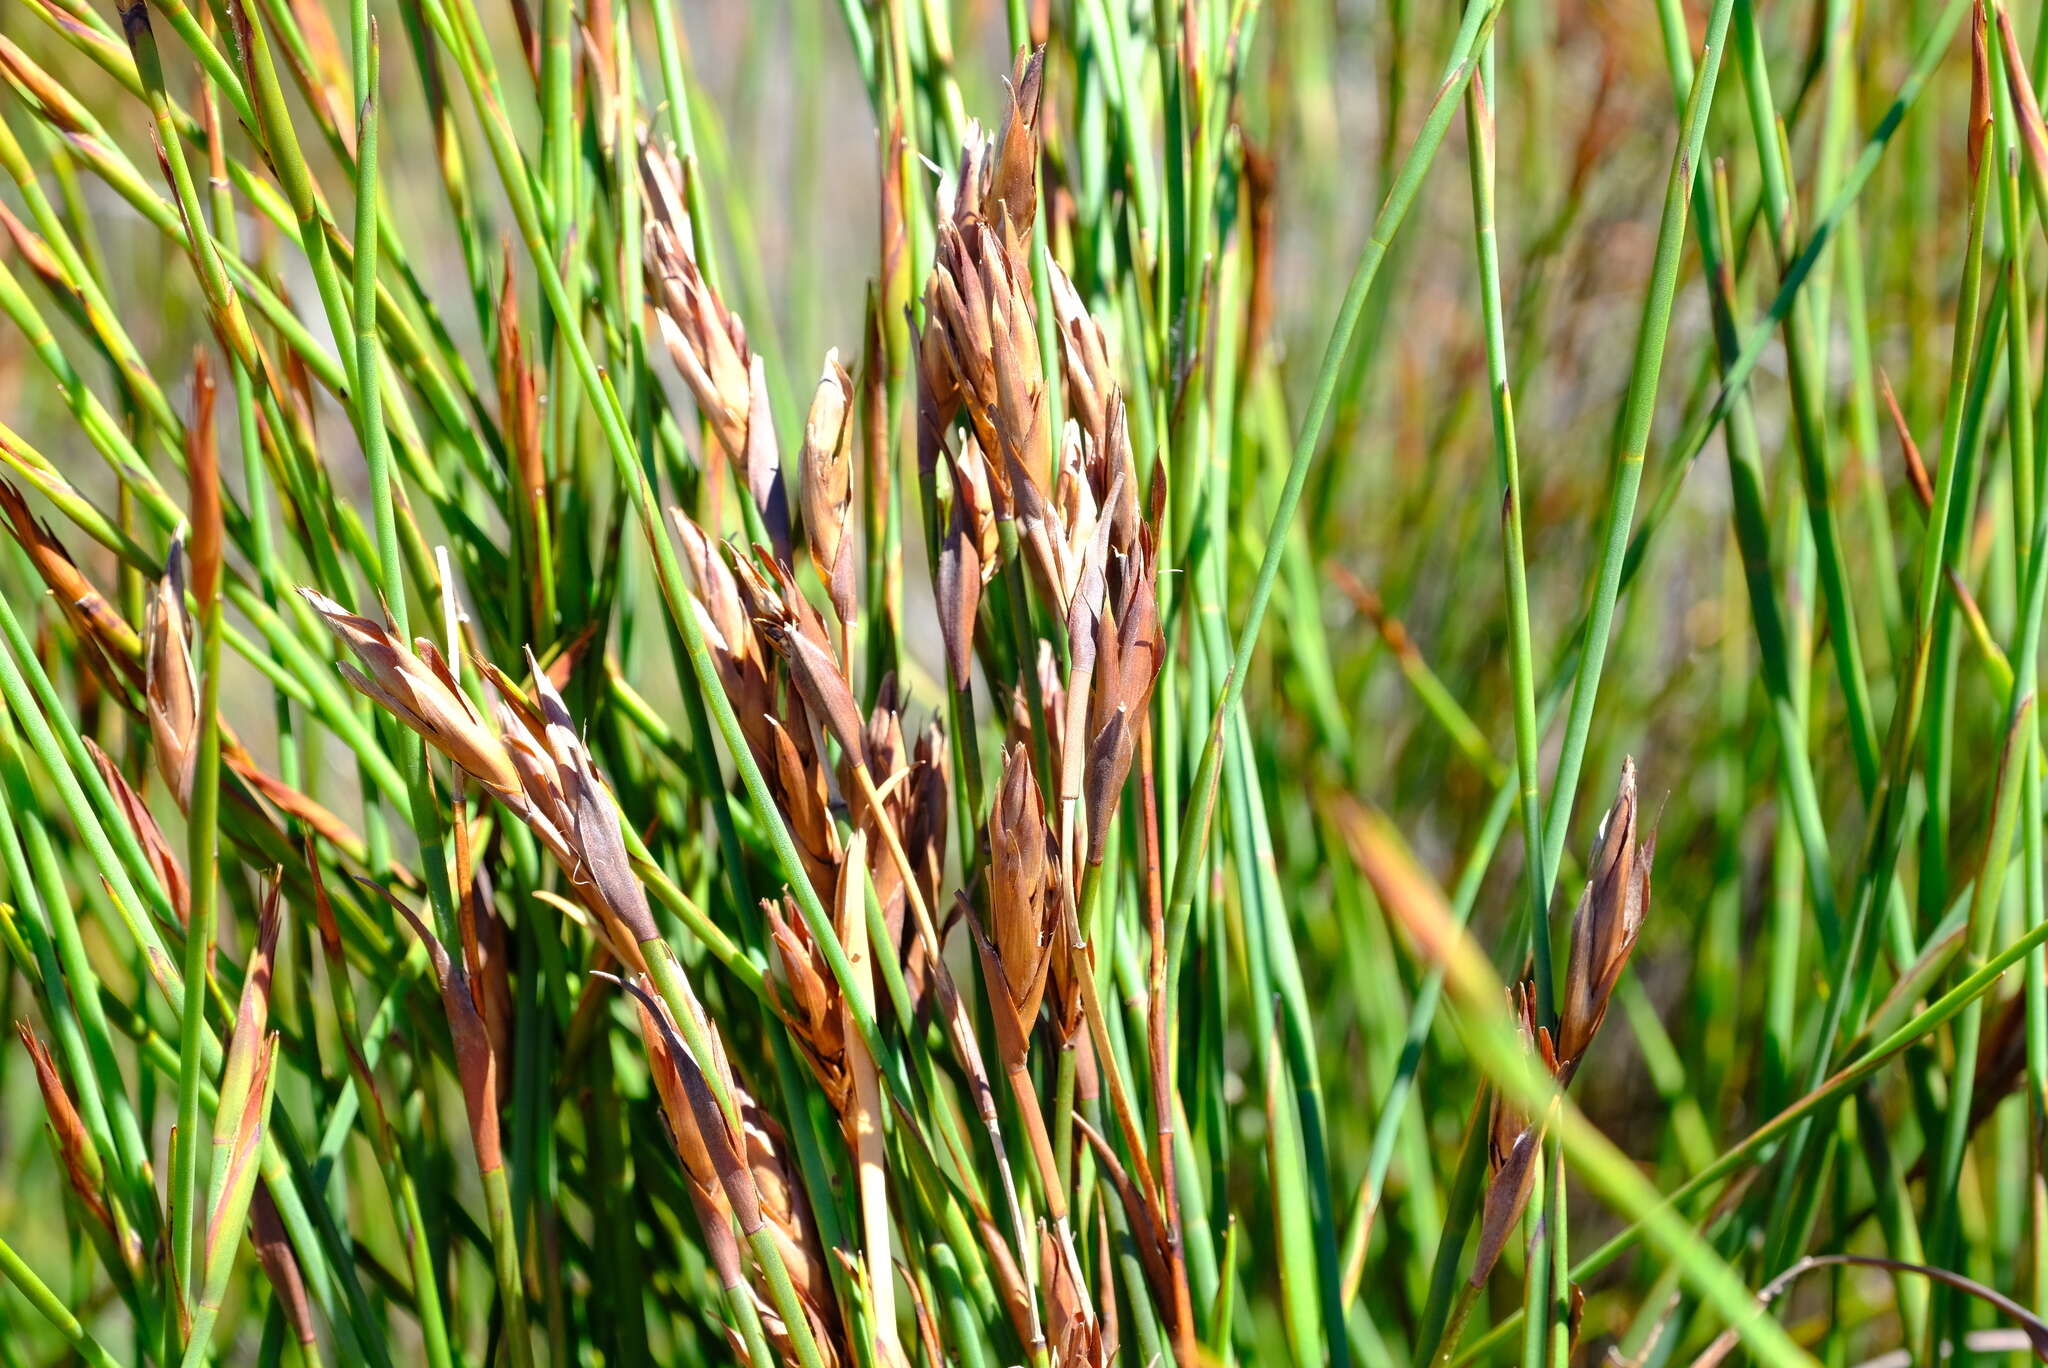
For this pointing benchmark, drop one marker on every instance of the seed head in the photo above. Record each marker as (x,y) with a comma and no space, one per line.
(1072,1328)
(1084,356)
(1010,194)
(923,824)
(1129,652)
(171,683)
(957,589)
(593,819)
(565,801)
(803,794)
(708,345)
(938,392)
(740,1169)
(785,1211)
(810,997)
(729,633)
(979,300)
(1017,945)
(418,689)
(1604,928)
(788,623)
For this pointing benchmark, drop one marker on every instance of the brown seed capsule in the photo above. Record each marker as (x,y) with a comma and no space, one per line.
(420,691)
(979,302)
(967,558)
(1084,358)
(519,417)
(565,802)
(1018,371)
(723,1147)
(923,824)
(957,333)
(1075,506)
(518,390)
(1130,651)
(1071,1326)
(1017,946)
(1011,194)
(810,997)
(593,820)
(769,590)
(1114,454)
(252,1010)
(1085,544)
(541,800)
(238,1140)
(974,496)
(675,1105)
(707,344)
(801,791)
(938,391)
(1604,928)
(718,594)
(729,633)
(787,622)
(785,1211)
(707,1197)
(482,934)
(882,744)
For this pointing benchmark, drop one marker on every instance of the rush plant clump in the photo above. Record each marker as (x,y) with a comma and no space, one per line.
(690,686)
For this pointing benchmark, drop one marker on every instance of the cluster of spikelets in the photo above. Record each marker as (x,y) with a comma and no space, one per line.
(1604,930)
(982,414)
(1089,548)
(900,964)
(866,800)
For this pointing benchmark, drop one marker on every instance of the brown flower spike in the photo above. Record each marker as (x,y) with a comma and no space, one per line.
(1604,928)
(1017,946)
(171,681)
(418,689)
